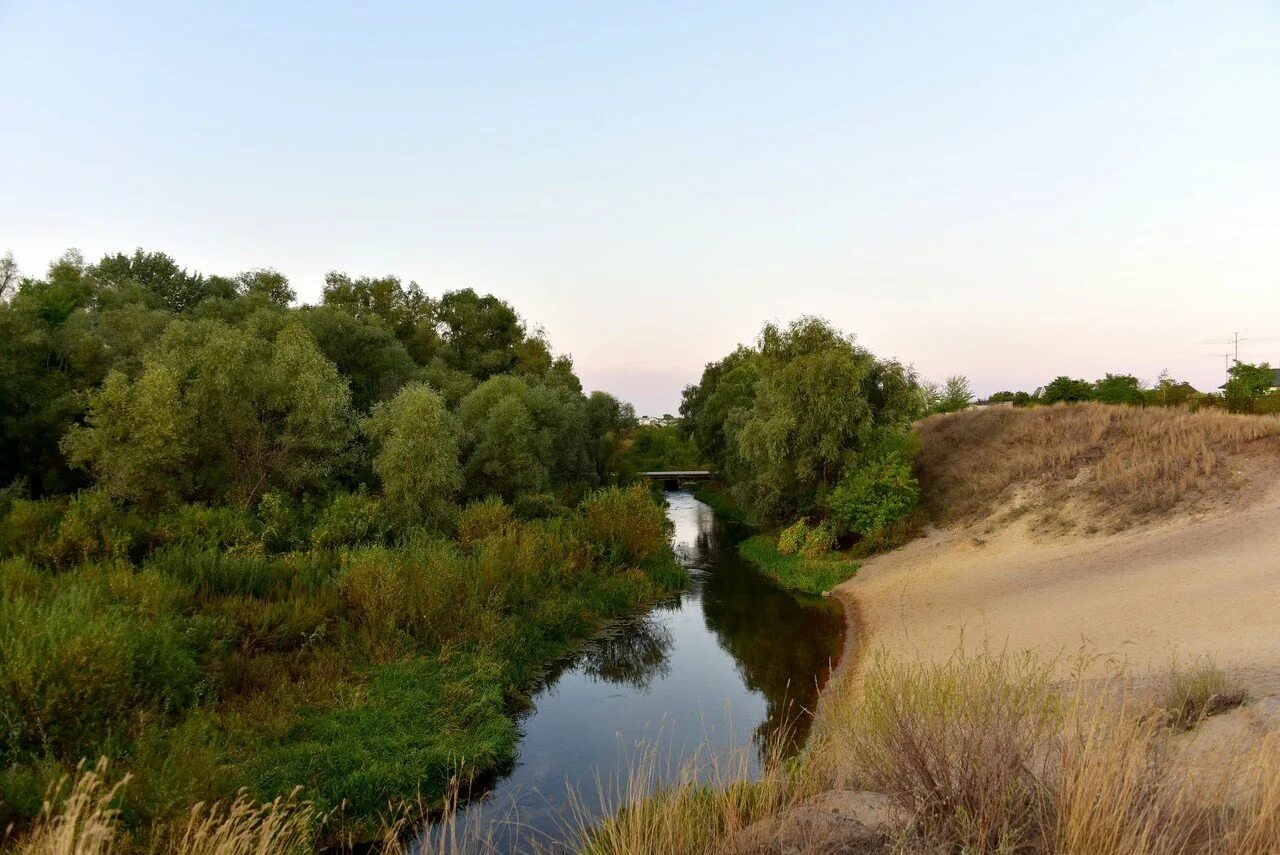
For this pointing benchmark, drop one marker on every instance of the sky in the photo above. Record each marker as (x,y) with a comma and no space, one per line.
(1004,190)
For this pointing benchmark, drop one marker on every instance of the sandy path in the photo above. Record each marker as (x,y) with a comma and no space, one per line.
(1207,585)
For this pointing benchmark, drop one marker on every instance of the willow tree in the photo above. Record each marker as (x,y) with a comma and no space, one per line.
(217,414)
(416,457)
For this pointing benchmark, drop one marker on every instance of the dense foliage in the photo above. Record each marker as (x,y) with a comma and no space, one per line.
(808,425)
(235,548)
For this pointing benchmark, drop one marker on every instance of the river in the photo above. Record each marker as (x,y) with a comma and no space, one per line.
(719,667)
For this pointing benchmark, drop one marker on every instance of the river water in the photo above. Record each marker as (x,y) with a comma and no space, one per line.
(720,667)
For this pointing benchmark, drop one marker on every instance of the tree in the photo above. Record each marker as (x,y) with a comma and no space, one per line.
(416,456)
(138,438)
(365,352)
(481,334)
(1169,392)
(1119,389)
(9,276)
(1063,389)
(954,396)
(405,310)
(712,410)
(807,416)
(268,283)
(235,416)
(504,451)
(157,278)
(1249,381)
(608,421)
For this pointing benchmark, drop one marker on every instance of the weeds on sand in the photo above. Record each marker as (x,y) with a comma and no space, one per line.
(1194,692)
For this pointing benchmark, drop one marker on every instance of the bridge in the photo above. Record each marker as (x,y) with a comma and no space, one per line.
(671,480)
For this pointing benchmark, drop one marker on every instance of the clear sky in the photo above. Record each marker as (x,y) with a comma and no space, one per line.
(1007,190)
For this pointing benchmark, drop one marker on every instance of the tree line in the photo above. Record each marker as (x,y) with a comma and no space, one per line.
(1249,388)
(162,386)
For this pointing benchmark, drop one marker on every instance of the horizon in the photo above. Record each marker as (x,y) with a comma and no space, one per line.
(1005,193)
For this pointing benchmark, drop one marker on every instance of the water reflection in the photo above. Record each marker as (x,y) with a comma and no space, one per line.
(727,664)
(632,654)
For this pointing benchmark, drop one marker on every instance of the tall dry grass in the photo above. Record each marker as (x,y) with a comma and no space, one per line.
(987,754)
(697,806)
(1125,464)
(81,816)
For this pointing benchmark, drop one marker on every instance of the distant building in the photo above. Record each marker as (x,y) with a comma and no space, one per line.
(656,421)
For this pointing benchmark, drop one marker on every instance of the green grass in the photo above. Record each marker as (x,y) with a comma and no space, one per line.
(795,572)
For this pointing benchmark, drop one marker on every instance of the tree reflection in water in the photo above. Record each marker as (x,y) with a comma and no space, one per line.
(783,646)
(633,655)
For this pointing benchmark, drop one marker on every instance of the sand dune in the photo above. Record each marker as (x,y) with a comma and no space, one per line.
(1195,585)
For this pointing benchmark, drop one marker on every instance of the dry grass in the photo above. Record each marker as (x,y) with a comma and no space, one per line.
(79,817)
(694,808)
(1201,689)
(988,756)
(1123,465)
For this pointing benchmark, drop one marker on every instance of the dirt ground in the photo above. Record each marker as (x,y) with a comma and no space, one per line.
(1198,585)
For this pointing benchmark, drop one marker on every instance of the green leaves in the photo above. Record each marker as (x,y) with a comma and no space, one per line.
(417,454)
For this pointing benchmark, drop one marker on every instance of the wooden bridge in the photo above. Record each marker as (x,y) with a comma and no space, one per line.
(673,479)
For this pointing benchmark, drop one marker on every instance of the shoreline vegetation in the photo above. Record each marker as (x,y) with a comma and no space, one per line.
(258,553)
(816,575)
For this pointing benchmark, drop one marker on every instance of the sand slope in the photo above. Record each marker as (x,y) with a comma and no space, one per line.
(1196,585)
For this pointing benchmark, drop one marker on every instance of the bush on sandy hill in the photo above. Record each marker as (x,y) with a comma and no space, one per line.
(1125,465)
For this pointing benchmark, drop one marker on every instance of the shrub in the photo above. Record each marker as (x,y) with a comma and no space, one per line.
(820,540)
(1195,692)
(427,591)
(876,495)
(537,506)
(220,574)
(30,526)
(626,523)
(205,527)
(955,744)
(794,537)
(283,523)
(351,519)
(478,520)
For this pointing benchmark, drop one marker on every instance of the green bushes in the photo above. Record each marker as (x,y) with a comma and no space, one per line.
(873,497)
(358,669)
(793,537)
(351,519)
(626,523)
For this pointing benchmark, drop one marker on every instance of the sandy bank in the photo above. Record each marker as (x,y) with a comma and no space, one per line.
(1197,585)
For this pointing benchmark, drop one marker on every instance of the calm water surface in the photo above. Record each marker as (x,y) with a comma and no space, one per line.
(722,666)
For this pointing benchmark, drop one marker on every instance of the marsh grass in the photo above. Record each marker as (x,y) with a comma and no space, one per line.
(368,675)
(1125,464)
(806,574)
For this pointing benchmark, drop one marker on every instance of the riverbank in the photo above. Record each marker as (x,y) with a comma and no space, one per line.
(1199,584)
